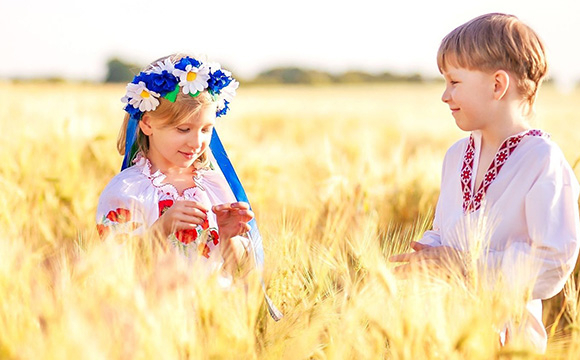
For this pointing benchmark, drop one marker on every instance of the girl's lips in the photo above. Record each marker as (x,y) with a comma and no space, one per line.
(188,156)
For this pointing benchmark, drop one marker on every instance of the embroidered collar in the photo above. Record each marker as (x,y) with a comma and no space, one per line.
(157,178)
(472,201)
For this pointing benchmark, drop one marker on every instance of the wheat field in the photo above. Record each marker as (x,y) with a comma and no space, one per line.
(340,178)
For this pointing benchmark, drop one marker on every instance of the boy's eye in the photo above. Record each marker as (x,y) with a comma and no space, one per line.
(207,130)
(183,130)
(453,82)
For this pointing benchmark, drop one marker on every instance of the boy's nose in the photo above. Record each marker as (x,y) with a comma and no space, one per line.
(445,96)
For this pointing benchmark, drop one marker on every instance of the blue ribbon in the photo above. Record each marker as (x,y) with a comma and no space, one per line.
(234,183)
(225,165)
(130,138)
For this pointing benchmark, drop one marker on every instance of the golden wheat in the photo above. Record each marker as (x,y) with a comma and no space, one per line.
(340,177)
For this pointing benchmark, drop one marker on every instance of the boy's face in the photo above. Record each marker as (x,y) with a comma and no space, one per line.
(469,94)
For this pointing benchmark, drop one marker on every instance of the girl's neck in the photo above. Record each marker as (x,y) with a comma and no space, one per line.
(169,171)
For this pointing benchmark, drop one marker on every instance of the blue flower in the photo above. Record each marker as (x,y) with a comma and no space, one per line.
(166,79)
(217,81)
(223,110)
(187,61)
(132,110)
(161,83)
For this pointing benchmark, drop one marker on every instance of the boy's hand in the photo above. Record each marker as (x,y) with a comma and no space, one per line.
(438,259)
(183,214)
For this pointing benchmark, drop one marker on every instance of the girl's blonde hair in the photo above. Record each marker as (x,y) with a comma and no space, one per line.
(497,42)
(168,114)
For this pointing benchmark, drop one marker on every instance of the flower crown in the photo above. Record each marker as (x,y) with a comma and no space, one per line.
(166,78)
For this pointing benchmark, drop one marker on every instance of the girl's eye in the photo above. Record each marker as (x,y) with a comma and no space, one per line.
(452,82)
(183,130)
(207,130)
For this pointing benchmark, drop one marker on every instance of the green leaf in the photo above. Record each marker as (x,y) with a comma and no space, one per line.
(171,96)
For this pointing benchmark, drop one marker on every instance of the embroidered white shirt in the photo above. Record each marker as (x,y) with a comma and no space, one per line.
(135,198)
(528,215)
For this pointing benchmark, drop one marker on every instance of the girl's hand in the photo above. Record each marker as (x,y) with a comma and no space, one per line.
(437,259)
(232,219)
(183,214)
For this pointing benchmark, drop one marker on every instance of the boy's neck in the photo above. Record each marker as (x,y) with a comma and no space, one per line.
(496,137)
(507,123)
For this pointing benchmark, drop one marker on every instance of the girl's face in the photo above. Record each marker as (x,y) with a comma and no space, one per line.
(176,148)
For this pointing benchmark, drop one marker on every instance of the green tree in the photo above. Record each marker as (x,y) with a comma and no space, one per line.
(119,71)
(293,75)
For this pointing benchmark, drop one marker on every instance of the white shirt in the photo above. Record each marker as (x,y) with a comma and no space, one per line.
(135,198)
(529,215)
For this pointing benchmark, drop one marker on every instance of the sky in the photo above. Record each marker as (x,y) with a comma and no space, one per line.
(73,39)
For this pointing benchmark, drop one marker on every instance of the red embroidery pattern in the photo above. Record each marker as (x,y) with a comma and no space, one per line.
(187,236)
(120,215)
(472,202)
(118,219)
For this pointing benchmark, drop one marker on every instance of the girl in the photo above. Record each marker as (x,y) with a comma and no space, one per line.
(170,186)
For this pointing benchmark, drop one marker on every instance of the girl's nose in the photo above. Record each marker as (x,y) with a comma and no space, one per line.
(194,141)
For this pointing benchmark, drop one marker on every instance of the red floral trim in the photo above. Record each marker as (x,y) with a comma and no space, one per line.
(214,236)
(164,205)
(204,250)
(103,230)
(187,236)
(472,202)
(157,177)
(119,216)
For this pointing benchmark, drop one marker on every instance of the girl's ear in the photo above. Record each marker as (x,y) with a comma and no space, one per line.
(145,125)
(501,84)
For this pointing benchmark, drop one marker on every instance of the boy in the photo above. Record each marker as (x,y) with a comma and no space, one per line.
(504,172)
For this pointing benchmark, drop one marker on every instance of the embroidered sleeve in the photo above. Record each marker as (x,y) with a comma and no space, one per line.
(433,237)
(118,217)
(552,213)
(548,257)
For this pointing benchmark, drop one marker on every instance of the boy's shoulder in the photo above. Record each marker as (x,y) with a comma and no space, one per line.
(542,150)
(541,147)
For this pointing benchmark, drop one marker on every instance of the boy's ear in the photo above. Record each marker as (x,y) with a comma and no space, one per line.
(501,84)
(145,125)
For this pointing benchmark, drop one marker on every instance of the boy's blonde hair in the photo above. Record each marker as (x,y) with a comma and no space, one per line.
(168,114)
(494,42)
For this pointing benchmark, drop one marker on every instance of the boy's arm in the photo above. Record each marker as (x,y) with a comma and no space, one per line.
(431,237)
(548,257)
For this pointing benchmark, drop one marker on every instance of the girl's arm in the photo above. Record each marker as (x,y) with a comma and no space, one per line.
(119,217)
(182,215)
(232,222)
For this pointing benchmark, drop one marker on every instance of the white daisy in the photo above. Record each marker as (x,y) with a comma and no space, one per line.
(229,91)
(140,97)
(215,66)
(192,79)
(163,65)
